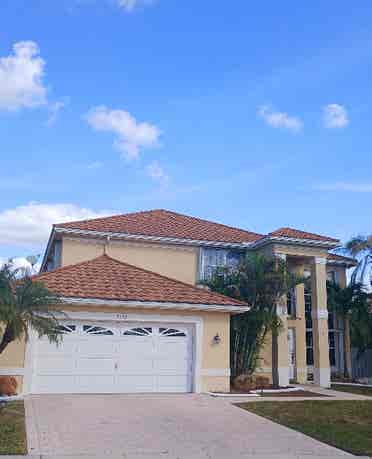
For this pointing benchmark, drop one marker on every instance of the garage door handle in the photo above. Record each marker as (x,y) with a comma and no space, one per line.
(116,366)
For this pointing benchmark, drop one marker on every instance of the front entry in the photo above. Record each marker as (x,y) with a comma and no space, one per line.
(292,353)
(99,357)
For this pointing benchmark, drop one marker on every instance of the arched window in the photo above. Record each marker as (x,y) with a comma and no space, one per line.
(95,330)
(171,332)
(147,331)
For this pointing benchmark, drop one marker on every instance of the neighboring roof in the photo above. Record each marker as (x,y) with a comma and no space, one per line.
(297,234)
(164,223)
(333,258)
(108,279)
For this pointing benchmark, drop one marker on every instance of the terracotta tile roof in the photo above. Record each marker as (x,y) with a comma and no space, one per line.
(110,279)
(340,258)
(165,223)
(293,233)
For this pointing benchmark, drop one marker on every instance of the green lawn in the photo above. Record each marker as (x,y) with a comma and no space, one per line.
(359,390)
(12,429)
(344,424)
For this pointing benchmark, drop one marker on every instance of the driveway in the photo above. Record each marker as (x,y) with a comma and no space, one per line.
(159,426)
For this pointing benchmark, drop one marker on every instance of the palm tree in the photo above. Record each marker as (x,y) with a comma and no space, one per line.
(25,304)
(361,247)
(348,303)
(263,282)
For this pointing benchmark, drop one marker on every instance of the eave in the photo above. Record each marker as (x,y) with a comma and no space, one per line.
(233,309)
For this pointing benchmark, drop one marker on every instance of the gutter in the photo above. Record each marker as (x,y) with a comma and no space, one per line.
(156,305)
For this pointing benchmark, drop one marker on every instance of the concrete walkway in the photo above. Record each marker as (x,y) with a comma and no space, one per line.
(159,426)
(330,395)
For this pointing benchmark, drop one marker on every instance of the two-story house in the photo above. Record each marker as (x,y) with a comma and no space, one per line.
(136,318)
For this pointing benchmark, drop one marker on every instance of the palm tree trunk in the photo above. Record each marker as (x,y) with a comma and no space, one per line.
(7,338)
(275,358)
(346,345)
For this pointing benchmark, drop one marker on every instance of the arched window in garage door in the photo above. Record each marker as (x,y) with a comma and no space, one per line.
(96,330)
(171,332)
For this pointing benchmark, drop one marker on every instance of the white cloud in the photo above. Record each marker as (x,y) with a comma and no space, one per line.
(130,135)
(95,165)
(279,119)
(30,224)
(21,78)
(345,186)
(157,173)
(131,5)
(335,116)
(54,110)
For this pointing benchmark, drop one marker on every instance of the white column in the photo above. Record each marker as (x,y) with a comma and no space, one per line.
(322,371)
(283,357)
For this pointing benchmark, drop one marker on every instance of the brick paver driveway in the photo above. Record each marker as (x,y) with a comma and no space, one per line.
(159,426)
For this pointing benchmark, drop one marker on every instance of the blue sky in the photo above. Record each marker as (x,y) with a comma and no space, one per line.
(258,116)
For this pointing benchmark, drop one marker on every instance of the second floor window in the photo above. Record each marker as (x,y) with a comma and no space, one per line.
(291,303)
(212,259)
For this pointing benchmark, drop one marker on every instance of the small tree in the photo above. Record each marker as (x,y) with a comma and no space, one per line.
(263,282)
(25,304)
(349,303)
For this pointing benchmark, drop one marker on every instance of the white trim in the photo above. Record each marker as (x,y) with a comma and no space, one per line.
(12,371)
(320,260)
(155,305)
(341,263)
(319,314)
(180,241)
(293,240)
(198,323)
(216,372)
(276,391)
(142,237)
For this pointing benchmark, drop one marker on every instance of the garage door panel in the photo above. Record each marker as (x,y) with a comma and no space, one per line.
(95,365)
(96,346)
(55,364)
(47,348)
(59,384)
(96,383)
(94,358)
(142,347)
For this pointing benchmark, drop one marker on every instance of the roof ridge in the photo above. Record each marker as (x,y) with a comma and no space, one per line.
(165,211)
(104,217)
(285,228)
(210,221)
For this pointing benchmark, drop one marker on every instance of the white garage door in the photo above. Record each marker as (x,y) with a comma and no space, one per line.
(99,358)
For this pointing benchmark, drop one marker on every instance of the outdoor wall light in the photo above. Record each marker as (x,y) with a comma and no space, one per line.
(216,339)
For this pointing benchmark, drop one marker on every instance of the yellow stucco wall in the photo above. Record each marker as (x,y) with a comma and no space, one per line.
(13,355)
(177,262)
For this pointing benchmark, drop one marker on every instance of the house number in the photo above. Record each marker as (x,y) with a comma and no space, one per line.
(122,316)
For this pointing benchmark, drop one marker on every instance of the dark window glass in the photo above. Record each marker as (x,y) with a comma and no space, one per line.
(332,357)
(309,356)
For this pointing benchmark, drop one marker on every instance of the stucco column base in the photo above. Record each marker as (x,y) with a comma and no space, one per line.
(301,374)
(283,376)
(322,377)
